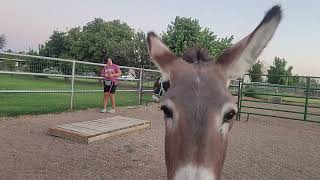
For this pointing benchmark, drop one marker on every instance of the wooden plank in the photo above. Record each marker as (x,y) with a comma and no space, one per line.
(97,120)
(106,119)
(118,132)
(106,122)
(109,125)
(106,128)
(89,131)
(82,130)
(78,137)
(89,124)
(112,119)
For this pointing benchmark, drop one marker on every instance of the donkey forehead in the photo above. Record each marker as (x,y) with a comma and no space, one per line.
(199,83)
(204,77)
(191,71)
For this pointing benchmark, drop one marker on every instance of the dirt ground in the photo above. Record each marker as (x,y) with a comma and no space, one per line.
(262,148)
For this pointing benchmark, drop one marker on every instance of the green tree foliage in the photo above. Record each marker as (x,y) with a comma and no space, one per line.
(96,41)
(36,65)
(255,72)
(99,39)
(294,80)
(314,83)
(93,42)
(184,32)
(7,65)
(2,41)
(141,53)
(278,71)
(55,47)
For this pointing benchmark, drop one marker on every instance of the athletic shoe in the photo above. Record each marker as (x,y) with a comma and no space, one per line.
(111,111)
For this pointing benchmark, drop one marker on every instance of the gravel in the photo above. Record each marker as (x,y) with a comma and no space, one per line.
(262,148)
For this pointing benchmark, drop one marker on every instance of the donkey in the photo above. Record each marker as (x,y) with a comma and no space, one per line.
(198,109)
(161,86)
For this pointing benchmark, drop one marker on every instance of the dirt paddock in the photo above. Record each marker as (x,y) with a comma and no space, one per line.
(262,148)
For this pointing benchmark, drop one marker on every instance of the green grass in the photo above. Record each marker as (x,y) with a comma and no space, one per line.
(288,99)
(301,100)
(13,104)
(19,82)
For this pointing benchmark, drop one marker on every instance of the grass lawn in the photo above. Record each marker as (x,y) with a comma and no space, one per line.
(288,99)
(301,100)
(12,104)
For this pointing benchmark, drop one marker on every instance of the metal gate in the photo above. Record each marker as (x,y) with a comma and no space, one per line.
(297,99)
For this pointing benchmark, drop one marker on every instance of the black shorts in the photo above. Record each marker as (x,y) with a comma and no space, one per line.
(111,89)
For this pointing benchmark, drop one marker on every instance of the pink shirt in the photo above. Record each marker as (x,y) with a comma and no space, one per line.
(110,70)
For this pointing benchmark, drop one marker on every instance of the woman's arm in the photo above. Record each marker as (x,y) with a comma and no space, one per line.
(118,73)
(102,73)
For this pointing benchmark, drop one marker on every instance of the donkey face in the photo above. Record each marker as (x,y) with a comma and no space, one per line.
(198,109)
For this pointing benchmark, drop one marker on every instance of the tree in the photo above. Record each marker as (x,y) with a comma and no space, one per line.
(278,72)
(255,72)
(107,39)
(55,47)
(96,41)
(141,53)
(294,80)
(184,32)
(93,42)
(314,83)
(99,39)
(36,65)
(2,41)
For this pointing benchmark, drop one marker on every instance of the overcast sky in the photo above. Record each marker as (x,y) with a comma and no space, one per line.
(29,23)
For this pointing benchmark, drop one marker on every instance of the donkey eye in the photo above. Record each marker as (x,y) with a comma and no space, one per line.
(167,111)
(229,116)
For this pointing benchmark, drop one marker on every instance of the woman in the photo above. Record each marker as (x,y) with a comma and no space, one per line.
(110,74)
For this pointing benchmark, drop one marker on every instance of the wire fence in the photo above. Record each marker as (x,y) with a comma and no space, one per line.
(297,98)
(34,84)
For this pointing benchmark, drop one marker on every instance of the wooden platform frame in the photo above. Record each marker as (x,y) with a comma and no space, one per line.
(89,131)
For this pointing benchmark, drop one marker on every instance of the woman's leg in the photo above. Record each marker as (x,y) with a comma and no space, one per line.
(113,101)
(105,99)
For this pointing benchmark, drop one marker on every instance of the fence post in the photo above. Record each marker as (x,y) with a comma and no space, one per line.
(72,84)
(140,85)
(307,99)
(239,98)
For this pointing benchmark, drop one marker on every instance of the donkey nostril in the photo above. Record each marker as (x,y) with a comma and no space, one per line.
(167,111)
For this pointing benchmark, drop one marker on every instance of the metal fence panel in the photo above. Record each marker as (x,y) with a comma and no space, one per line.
(44,84)
(298,99)
(35,84)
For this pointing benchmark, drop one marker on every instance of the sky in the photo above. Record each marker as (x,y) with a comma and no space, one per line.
(30,23)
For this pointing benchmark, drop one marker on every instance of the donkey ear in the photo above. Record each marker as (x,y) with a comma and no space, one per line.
(240,57)
(160,55)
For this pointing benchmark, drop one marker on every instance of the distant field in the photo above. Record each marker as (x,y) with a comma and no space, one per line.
(292,99)
(12,104)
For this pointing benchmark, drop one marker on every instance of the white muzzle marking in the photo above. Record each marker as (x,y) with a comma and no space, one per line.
(191,172)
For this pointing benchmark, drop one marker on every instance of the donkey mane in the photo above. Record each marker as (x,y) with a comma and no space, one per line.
(196,55)
(193,55)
